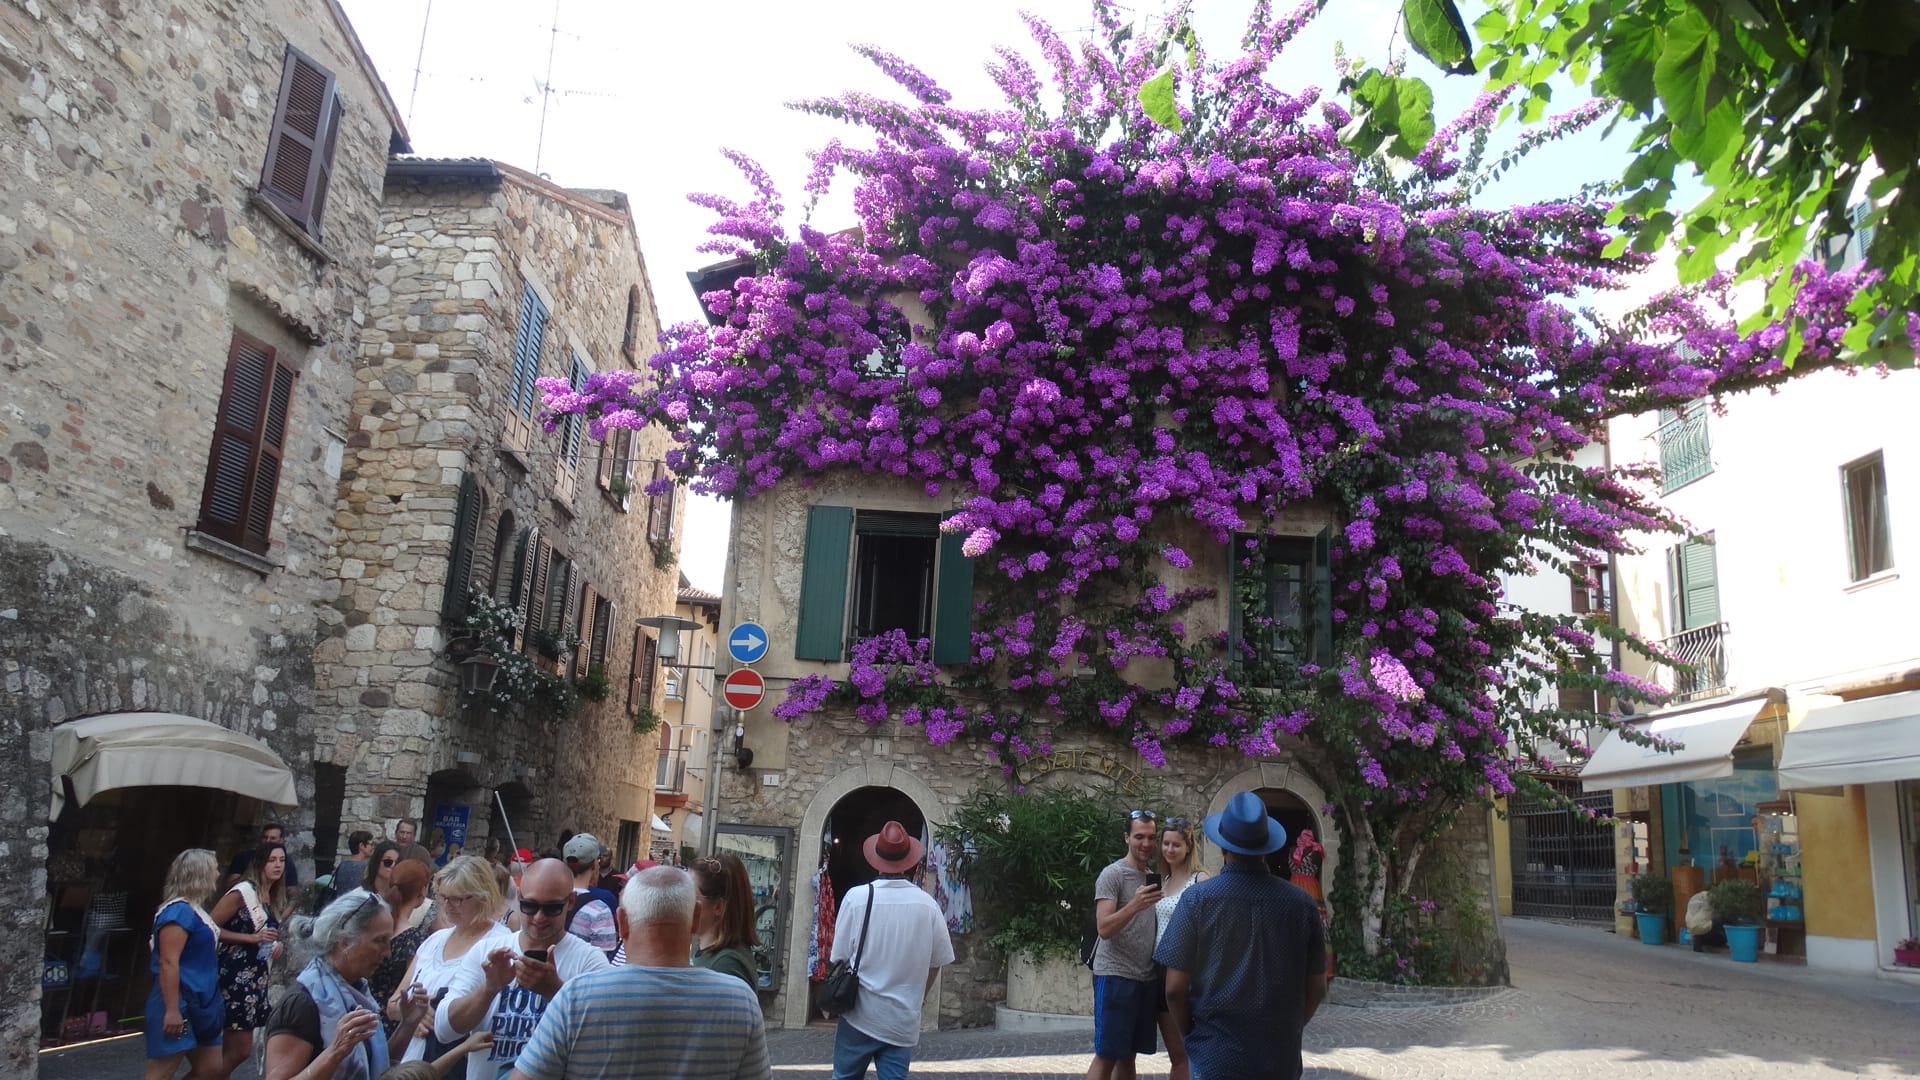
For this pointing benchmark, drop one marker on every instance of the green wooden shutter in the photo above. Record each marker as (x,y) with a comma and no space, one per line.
(953,604)
(1701,579)
(823,583)
(1676,593)
(466,539)
(1322,577)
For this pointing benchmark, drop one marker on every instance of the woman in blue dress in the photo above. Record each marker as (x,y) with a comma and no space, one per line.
(185,1016)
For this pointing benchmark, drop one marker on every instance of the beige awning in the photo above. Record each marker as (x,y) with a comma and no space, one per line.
(1706,736)
(1869,741)
(661,827)
(119,750)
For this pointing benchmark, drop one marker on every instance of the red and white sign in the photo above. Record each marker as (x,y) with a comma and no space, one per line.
(744,688)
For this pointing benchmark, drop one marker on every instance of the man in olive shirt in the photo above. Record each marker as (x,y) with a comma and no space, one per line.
(1125,992)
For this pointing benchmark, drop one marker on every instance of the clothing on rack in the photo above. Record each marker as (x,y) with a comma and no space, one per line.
(950,889)
(820,941)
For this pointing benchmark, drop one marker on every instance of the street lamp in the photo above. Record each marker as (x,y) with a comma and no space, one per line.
(669,627)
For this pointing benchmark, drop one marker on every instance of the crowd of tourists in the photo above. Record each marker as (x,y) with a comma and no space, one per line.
(554,967)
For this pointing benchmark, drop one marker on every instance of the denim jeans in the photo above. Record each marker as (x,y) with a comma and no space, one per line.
(853,1049)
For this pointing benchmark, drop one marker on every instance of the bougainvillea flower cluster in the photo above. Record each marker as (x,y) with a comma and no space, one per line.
(1077,329)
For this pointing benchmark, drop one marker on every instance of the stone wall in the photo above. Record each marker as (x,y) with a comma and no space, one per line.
(432,405)
(130,251)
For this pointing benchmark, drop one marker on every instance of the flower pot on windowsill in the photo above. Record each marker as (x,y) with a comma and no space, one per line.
(1907,957)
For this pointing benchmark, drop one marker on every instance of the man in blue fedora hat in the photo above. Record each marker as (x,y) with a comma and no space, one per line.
(1245,955)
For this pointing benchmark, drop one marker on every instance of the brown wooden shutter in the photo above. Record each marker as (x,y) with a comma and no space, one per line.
(534,615)
(659,508)
(523,573)
(606,460)
(589,607)
(301,142)
(640,677)
(467,518)
(249,435)
(601,639)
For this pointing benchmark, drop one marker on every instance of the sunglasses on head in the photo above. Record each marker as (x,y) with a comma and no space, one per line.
(552,909)
(1177,823)
(1141,815)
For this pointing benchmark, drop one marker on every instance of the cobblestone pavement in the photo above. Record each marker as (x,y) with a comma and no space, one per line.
(1585,1004)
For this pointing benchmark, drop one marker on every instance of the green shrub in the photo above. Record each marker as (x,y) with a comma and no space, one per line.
(1031,858)
(1738,901)
(1652,893)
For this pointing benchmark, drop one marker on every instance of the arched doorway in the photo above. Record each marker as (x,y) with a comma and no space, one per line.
(861,814)
(886,788)
(456,814)
(515,825)
(1295,816)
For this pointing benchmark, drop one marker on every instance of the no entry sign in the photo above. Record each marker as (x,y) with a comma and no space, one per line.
(744,689)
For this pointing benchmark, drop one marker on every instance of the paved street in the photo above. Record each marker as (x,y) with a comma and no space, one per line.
(1585,1004)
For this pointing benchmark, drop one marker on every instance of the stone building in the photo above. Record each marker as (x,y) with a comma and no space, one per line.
(486,278)
(801,566)
(185,235)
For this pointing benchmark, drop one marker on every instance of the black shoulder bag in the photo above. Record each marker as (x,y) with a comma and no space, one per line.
(842,991)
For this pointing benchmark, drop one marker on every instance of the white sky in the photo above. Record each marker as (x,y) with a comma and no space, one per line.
(646,93)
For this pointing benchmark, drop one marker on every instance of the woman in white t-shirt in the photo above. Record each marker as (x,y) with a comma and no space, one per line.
(470,899)
(1179,868)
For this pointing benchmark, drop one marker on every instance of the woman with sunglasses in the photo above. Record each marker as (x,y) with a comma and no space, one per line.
(1179,868)
(326,1025)
(725,902)
(468,897)
(379,875)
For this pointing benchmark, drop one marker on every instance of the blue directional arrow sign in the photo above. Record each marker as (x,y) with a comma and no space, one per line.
(747,642)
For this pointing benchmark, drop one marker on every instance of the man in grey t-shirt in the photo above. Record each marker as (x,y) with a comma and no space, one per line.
(1125,993)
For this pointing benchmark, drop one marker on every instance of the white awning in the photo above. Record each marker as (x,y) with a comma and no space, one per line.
(118,750)
(1707,737)
(1869,741)
(661,827)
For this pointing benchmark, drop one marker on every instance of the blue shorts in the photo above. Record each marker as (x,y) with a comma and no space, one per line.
(205,1025)
(1124,1014)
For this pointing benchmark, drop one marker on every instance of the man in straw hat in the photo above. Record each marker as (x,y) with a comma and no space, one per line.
(1245,957)
(905,946)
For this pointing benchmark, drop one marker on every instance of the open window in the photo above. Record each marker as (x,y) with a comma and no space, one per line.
(1280,606)
(868,572)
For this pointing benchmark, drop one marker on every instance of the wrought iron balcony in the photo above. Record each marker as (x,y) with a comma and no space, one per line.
(1686,453)
(671,773)
(1703,653)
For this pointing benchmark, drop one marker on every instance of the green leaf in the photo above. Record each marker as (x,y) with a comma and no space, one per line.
(1156,98)
(1796,340)
(1684,73)
(1439,34)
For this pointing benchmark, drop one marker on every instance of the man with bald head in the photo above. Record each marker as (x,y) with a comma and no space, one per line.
(504,983)
(657,1017)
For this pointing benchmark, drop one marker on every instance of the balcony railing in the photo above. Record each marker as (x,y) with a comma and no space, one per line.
(671,773)
(1703,652)
(1686,453)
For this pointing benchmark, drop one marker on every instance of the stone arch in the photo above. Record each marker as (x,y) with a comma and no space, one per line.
(814,823)
(1281,776)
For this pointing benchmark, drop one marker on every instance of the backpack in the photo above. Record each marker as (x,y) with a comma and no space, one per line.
(1090,937)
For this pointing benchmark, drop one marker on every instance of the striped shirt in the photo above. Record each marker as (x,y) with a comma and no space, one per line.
(647,1022)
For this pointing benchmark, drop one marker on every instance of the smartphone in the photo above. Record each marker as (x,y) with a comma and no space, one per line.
(536,954)
(1153,880)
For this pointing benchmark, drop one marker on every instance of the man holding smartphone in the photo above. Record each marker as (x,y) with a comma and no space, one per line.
(1125,999)
(503,986)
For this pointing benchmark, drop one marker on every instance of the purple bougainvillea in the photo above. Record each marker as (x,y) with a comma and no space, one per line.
(1082,329)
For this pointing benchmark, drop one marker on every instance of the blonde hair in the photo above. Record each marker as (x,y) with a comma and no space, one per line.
(470,875)
(411,1070)
(1187,833)
(192,877)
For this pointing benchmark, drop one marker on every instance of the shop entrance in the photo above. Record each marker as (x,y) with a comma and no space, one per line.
(106,863)
(1563,865)
(859,814)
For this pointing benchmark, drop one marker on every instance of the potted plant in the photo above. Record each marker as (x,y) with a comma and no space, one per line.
(1652,896)
(1738,905)
(1906,952)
